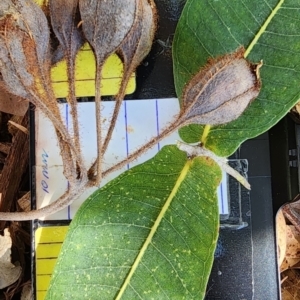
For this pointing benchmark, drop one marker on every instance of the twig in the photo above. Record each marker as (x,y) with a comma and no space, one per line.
(66,199)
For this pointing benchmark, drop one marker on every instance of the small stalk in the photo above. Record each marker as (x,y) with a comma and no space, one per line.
(221,161)
(57,123)
(74,113)
(98,124)
(118,103)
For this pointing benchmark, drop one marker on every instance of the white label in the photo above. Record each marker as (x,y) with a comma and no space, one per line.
(138,121)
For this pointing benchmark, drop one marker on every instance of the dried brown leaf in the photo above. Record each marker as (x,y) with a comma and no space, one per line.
(293,242)
(295,204)
(292,213)
(280,236)
(289,263)
(27,293)
(9,272)
(221,91)
(291,286)
(297,108)
(287,294)
(12,104)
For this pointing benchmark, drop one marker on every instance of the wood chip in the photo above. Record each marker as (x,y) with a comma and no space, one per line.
(4,147)
(16,165)
(18,126)
(25,202)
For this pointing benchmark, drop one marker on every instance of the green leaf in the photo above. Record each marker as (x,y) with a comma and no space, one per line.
(269,31)
(148,234)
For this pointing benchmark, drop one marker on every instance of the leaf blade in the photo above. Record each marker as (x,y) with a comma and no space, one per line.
(211,28)
(183,242)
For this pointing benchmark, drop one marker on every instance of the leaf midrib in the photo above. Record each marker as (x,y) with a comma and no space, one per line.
(154,228)
(262,29)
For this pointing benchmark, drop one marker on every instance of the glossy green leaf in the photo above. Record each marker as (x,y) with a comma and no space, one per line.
(269,31)
(148,234)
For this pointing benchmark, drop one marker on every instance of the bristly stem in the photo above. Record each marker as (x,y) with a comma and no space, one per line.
(113,120)
(74,112)
(98,122)
(47,96)
(131,157)
(118,103)
(56,121)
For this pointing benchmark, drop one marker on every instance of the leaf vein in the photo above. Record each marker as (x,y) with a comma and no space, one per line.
(263,28)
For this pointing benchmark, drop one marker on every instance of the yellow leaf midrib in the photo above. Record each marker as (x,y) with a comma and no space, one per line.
(207,127)
(263,28)
(154,228)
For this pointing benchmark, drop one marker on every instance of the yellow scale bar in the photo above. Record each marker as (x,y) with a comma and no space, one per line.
(48,241)
(85,74)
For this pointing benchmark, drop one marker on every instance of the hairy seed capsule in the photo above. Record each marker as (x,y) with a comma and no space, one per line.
(64,21)
(221,91)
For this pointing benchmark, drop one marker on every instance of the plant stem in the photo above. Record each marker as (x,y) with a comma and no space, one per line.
(66,199)
(131,157)
(56,121)
(74,112)
(119,100)
(98,122)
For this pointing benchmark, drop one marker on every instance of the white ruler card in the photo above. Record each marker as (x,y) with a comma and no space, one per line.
(138,121)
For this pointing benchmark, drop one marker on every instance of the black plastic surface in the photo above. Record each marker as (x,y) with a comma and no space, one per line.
(245,262)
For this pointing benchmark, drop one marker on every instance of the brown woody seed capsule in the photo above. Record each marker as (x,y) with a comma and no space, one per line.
(221,91)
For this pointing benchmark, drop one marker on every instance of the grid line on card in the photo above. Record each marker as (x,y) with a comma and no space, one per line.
(222,202)
(126,131)
(157,122)
(68,184)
